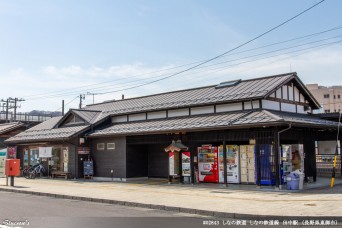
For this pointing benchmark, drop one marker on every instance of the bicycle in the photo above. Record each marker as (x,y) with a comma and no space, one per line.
(32,172)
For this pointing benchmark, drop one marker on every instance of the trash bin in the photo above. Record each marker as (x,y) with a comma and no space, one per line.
(301,178)
(292,181)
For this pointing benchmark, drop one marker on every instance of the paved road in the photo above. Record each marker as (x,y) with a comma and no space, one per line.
(40,211)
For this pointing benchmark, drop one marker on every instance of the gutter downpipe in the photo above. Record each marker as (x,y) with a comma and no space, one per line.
(278,157)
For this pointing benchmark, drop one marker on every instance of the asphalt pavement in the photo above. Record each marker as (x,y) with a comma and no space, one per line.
(234,202)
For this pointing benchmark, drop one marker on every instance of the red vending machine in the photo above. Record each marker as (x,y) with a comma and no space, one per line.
(207,164)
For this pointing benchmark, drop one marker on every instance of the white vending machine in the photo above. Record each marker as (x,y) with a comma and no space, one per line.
(292,159)
(247,164)
(233,167)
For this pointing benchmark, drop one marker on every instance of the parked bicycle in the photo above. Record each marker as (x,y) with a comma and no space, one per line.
(34,171)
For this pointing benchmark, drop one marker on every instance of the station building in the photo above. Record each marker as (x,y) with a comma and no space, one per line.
(261,121)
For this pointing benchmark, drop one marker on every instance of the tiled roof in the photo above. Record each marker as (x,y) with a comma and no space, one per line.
(46,134)
(48,124)
(244,90)
(303,119)
(213,121)
(9,127)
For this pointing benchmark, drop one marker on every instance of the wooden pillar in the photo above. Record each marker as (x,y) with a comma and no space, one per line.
(257,153)
(310,168)
(192,164)
(180,167)
(276,157)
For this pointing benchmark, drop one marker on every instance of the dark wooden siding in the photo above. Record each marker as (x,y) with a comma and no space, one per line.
(158,161)
(107,160)
(137,161)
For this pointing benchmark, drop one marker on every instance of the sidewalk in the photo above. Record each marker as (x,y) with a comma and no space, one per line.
(236,201)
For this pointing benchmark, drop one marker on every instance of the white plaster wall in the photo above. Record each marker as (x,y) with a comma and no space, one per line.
(278,93)
(119,119)
(288,107)
(135,117)
(202,110)
(291,93)
(273,105)
(296,93)
(285,92)
(229,107)
(156,115)
(178,112)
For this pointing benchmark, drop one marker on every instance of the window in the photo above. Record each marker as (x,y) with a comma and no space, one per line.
(334,96)
(100,146)
(110,146)
(326,96)
(339,96)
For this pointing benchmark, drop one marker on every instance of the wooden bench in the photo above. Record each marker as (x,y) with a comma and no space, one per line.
(66,175)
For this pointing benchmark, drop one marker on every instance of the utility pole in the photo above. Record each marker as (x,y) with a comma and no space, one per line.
(82,96)
(89,93)
(62,107)
(11,103)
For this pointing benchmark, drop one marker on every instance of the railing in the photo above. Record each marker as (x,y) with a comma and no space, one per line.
(324,165)
(24,117)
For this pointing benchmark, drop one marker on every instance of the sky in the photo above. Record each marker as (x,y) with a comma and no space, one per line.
(56,50)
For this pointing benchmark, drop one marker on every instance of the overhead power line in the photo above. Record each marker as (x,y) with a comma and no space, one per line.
(206,66)
(231,50)
(199,63)
(67,103)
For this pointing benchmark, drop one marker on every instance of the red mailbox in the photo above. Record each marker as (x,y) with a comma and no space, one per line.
(13,167)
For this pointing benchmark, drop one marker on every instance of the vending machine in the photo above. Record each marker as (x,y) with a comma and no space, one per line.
(247,164)
(267,164)
(292,158)
(233,167)
(285,164)
(207,164)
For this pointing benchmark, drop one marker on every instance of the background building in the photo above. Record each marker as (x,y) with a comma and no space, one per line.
(330,98)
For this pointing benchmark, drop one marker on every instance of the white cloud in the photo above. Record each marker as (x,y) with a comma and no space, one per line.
(320,66)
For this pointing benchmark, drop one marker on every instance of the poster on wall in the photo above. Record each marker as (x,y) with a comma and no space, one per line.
(173,164)
(12,152)
(45,152)
(65,159)
(186,171)
(3,154)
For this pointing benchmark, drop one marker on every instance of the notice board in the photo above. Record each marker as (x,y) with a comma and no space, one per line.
(88,168)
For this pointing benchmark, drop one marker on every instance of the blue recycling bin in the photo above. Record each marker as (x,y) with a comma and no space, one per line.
(292,181)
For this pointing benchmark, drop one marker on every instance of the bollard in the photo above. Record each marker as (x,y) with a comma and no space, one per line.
(12,181)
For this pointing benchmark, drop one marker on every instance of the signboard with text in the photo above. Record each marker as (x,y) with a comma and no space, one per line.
(3,154)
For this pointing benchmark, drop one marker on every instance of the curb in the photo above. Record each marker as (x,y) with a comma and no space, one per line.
(217,214)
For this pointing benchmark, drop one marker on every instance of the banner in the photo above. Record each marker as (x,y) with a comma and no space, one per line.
(12,152)
(3,154)
(45,152)
(65,158)
(173,164)
(186,171)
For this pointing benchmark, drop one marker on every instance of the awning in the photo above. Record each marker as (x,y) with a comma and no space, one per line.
(176,146)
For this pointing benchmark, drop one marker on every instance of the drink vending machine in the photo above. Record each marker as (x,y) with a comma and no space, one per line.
(207,163)
(233,167)
(292,158)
